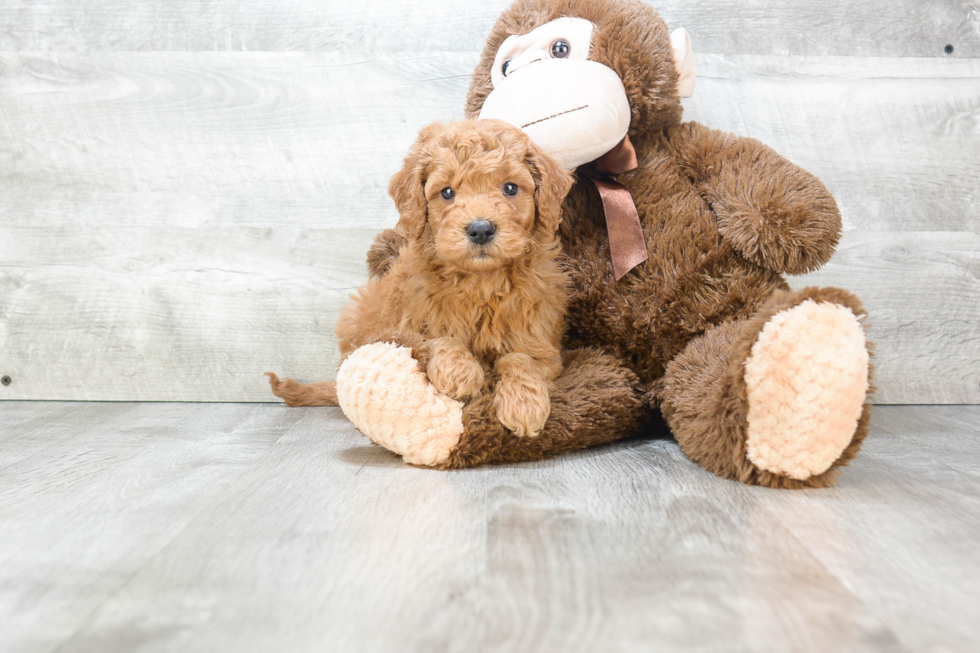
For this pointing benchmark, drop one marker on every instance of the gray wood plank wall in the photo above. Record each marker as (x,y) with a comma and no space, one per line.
(187,189)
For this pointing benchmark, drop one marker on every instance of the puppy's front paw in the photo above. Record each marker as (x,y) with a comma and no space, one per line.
(454,371)
(522,406)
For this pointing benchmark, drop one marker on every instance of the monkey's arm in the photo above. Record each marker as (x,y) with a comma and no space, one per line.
(776,214)
(384,252)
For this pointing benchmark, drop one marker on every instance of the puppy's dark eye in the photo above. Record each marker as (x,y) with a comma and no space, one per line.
(560,49)
(510,189)
(448,193)
(503,68)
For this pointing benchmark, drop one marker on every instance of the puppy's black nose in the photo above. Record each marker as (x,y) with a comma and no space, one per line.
(481,231)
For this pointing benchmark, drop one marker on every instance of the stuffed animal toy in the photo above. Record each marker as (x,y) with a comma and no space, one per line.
(676,238)
(476,290)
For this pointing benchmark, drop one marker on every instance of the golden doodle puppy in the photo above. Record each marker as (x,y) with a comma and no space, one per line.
(476,290)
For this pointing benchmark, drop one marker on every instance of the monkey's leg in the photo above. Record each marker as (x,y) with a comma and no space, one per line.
(384,392)
(779,399)
(594,400)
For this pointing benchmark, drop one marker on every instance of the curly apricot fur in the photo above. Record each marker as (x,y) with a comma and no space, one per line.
(466,309)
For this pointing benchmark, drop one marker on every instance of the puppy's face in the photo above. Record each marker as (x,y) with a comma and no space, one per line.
(479,194)
(481,209)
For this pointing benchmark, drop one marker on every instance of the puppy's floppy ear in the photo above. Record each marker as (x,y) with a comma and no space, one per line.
(407,186)
(551,185)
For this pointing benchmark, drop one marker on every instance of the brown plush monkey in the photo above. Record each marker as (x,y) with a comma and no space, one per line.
(757,383)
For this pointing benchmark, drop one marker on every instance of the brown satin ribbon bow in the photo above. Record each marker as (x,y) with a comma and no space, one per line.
(626,243)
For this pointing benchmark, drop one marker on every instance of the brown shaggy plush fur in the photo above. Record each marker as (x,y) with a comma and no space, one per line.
(593,401)
(723,217)
(477,316)
(704,396)
(383,252)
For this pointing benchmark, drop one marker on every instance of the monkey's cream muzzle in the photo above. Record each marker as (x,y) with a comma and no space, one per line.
(574,108)
(576,111)
(544,83)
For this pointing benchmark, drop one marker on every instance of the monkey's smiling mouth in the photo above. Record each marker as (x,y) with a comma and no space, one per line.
(534,122)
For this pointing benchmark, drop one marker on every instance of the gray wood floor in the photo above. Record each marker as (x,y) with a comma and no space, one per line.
(230,527)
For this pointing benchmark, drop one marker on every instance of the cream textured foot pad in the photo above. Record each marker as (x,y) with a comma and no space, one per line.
(807,379)
(383,392)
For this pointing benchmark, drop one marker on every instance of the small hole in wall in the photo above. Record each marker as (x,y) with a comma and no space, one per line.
(6,380)
(948,49)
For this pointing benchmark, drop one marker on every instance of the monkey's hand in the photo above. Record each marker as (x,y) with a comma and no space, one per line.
(776,214)
(384,252)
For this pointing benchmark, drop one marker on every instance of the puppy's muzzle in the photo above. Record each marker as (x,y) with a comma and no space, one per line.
(480,232)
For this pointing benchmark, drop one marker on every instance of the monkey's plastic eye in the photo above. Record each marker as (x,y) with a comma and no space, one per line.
(448,193)
(503,68)
(510,189)
(560,49)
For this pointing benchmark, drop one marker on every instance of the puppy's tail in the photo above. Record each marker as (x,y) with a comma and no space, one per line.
(323,393)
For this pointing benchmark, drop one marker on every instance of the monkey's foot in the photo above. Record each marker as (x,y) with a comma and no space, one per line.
(383,392)
(806,377)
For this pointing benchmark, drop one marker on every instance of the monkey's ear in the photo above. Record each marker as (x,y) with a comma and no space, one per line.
(551,185)
(407,186)
(684,62)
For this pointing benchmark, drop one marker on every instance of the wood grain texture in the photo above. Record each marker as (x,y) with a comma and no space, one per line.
(922,291)
(804,27)
(188,528)
(176,223)
(117,482)
(169,313)
(166,219)
(320,134)
(893,139)
(267,138)
(921,465)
